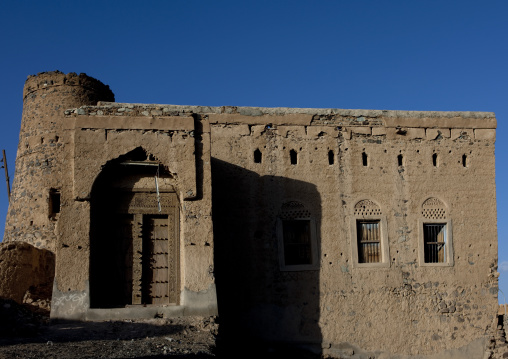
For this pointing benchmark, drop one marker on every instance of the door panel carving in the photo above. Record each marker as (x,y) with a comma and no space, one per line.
(136,250)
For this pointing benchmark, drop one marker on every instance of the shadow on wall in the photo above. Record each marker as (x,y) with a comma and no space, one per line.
(267,246)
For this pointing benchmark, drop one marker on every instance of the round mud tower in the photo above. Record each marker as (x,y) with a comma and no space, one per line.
(43,177)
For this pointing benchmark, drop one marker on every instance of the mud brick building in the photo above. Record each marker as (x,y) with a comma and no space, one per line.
(348,230)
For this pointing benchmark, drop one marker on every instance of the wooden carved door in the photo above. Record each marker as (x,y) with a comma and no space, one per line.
(134,237)
(156,254)
(159,260)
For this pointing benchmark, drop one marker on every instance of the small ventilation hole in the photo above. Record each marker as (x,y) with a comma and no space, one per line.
(399,160)
(364,159)
(293,156)
(257,156)
(434,160)
(464,160)
(331,157)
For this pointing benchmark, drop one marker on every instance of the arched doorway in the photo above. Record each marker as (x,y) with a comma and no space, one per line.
(134,235)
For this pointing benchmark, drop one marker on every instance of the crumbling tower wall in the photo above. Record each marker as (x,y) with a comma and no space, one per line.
(43,165)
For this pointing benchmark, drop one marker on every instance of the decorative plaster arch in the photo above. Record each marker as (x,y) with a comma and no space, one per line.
(434,208)
(294,209)
(367,207)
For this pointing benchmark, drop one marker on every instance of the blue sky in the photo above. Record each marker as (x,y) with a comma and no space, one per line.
(397,55)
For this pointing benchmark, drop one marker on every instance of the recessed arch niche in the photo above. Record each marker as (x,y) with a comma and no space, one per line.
(134,244)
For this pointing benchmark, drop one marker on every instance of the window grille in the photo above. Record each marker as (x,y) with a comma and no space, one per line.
(297,242)
(369,241)
(296,235)
(434,235)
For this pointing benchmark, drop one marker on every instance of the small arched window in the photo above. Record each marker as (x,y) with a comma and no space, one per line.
(331,157)
(258,156)
(54,203)
(293,157)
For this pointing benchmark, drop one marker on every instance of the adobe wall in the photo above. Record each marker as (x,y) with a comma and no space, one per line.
(65,151)
(26,272)
(104,133)
(339,304)
(403,307)
(401,168)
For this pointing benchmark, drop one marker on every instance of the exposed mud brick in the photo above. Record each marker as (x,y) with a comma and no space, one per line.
(378,131)
(485,134)
(232,131)
(363,130)
(320,131)
(462,134)
(437,133)
(25,269)
(415,133)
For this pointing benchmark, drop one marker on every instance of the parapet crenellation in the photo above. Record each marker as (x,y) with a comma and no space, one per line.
(316,113)
(400,125)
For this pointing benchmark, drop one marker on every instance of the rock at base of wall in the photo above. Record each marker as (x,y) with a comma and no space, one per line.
(17,320)
(27,274)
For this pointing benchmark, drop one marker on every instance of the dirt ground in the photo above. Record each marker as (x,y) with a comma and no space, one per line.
(154,338)
(27,334)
